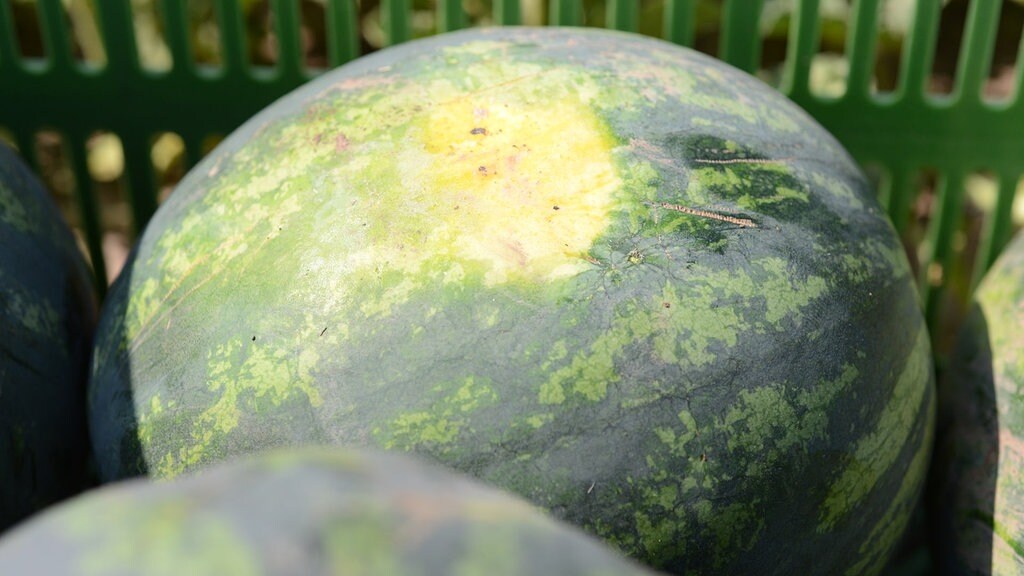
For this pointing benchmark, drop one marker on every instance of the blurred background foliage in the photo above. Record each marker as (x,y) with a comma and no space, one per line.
(105,157)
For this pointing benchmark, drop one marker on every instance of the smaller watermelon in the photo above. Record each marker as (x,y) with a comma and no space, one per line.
(47,317)
(978,494)
(310,511)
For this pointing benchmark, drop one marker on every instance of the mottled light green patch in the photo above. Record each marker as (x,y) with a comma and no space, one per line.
(781,194)
(536,421)
(657,84)
(143,305)
(880,543)
(677,440)
(587,374)
(1001,298)
(155,406)
(559,351)
(765,426)
(654,530)
(393,295)
(774,421)
(495,549)
(552,392)
(13,212)
(872,256)
(779,119)
(732,107)
(696,316)
(683,324)
(27,312)
(718,177)
(725,177)
(783,295)
(477,48)
(363,542)
(349,461)
(837,188)
(179,538)
(877,451)
(440,424)
(735,527)
(266,376)
(215,237)
(698,193)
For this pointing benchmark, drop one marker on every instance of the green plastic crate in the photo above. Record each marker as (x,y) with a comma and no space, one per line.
(898,134)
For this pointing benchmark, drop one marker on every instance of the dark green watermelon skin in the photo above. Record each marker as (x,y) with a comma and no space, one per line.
(47,315)
(461,248)
(979,470)
(312,511)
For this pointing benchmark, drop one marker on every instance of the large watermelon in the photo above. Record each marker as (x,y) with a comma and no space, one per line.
(604,272)
(309,512)
(979,470)
(47,315)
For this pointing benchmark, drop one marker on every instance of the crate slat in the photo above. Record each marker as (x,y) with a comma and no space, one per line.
(679,22)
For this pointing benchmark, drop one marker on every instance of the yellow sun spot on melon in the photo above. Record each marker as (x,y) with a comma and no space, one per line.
(532,180)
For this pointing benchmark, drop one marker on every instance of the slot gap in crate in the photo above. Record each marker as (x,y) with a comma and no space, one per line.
(54,166)
(105,160)
(774,28)
(87,47)
(169,162)
(1004,70)
(895,19)
(263,42)
(830,66)
(28,30)
(922,207)
(947,48)
(150,25)
(709,26)
(205,35)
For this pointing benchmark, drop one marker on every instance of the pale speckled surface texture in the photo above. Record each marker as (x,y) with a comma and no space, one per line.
(979,468)
(305,512)
(476,248)
(47,315)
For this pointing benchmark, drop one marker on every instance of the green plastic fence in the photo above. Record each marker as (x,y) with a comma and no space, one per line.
(902,132)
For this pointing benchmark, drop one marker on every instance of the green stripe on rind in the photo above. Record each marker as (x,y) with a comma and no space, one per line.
(627,395)
(889,528)
(880,449)
(309,511)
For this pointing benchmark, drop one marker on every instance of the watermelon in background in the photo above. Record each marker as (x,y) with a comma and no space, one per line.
(978,474)
(609,274)
(312,512)
(47,316)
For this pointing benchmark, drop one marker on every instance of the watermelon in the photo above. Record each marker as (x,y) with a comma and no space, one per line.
(978,490)
(47,316)
(603,272)
(311,511)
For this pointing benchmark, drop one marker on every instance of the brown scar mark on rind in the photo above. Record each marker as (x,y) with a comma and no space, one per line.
(356,83)
(743,160)
(516,249)
(216,168)
(340,143)
(742,222)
